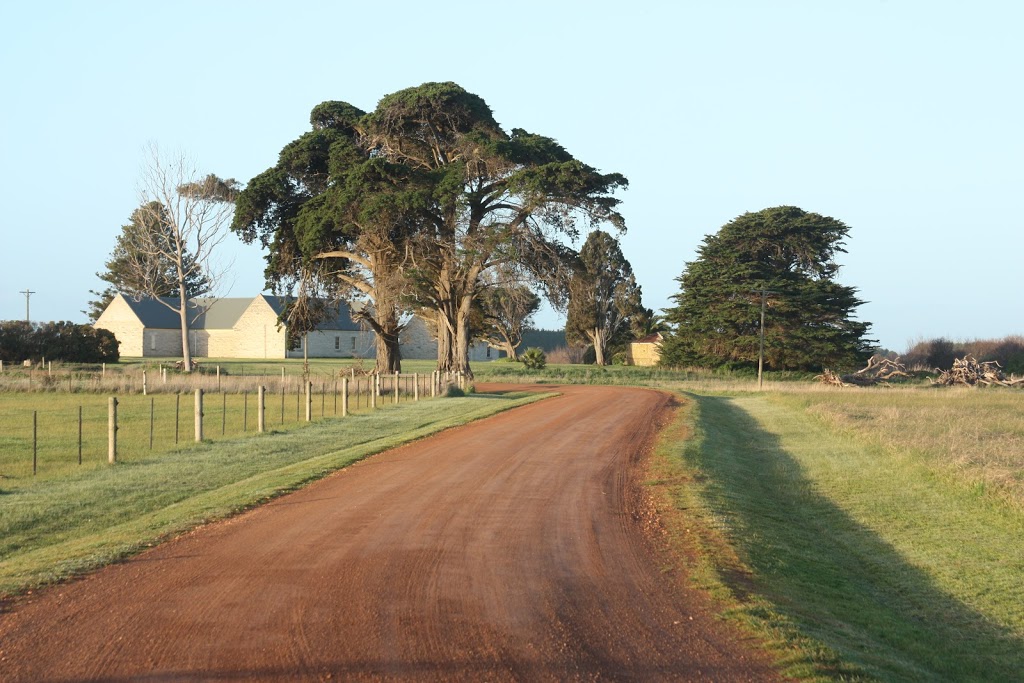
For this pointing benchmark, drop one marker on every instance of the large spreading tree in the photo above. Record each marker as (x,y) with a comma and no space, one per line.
(336,221)
(415,201)
(785,257)
(604,297)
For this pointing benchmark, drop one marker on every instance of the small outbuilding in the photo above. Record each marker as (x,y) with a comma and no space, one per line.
(645,352)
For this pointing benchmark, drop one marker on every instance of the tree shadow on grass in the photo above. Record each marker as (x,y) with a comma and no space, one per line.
(836,579)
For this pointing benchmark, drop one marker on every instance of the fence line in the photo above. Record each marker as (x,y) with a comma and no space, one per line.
(69,431)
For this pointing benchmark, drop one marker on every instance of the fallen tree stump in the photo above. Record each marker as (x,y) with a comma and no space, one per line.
(879,371)
(831,378)
(967,371)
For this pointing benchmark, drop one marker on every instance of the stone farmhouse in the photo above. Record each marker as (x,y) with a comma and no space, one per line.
(249,328)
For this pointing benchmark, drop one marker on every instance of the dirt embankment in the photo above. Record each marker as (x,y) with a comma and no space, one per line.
(509,549)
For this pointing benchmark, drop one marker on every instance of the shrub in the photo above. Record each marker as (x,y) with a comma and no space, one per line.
(567,355)
(534,358)
(63,341)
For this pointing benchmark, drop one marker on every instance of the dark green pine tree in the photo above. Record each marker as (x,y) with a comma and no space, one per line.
(788,255)
(123,268)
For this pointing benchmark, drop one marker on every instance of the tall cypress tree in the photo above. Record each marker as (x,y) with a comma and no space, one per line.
(604,297)
(787,256)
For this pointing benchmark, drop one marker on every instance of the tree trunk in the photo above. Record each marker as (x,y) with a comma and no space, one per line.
(389,352)
(463,335)
(447,330)
(597,335)
(186,349)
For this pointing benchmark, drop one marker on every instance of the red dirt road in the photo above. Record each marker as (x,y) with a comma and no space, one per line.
(508,549)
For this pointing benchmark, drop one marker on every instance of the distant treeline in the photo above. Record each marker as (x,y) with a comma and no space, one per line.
(546,340)
(61,341)
(940,353)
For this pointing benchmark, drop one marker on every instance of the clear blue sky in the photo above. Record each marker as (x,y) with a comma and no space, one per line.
(904,119)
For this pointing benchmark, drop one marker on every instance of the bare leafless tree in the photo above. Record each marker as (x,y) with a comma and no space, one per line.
(190,214)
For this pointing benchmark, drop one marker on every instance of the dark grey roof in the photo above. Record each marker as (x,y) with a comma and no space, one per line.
(154,314)
(220,313)
(339,319)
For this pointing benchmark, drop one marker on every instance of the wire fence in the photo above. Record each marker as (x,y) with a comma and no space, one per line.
(51,432)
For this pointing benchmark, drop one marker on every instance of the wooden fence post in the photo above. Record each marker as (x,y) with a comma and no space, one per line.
(415,386)
(398,385)
(260,424)
(344,396)
(309,401)
(144,387)
(373,391)
(199,415)
(112,430)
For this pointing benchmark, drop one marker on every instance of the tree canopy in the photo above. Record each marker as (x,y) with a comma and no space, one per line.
(786,255)
(604,297)
(415,201)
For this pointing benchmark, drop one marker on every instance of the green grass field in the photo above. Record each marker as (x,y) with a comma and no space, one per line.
(861,546)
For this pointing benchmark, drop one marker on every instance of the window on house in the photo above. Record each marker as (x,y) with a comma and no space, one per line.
(152,341)
(337,343)
(353,343)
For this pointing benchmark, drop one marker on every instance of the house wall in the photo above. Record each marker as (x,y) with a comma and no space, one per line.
(643,354)
(221,343)
(338,344)
(161,342)
(256,334)
(416,343)
(121,320)
(213,343)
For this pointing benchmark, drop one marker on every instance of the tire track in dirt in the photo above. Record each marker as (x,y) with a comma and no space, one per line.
(508,549)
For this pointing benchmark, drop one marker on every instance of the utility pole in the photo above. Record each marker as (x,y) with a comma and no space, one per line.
(28,295)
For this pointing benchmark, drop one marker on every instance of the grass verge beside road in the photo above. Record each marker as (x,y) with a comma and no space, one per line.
(70,524)
(854,560)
